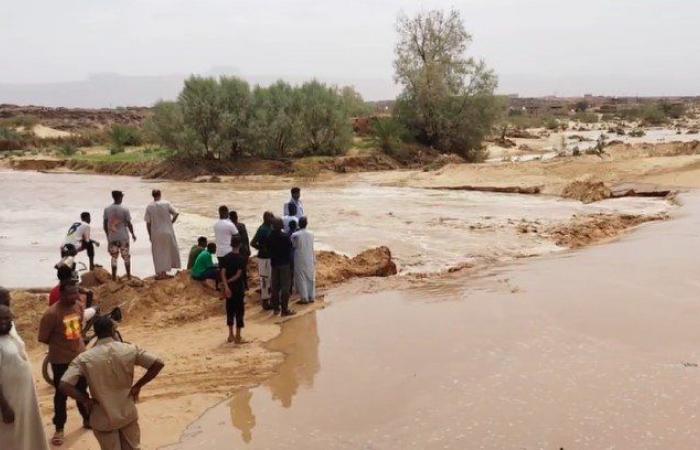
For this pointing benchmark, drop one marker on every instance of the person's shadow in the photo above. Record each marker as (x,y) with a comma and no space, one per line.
(299,342)
(242,416)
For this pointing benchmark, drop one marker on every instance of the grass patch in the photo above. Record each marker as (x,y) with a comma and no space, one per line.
(132,155)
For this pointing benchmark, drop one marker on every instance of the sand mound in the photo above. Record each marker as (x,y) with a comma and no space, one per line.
(587,191)
(332,268)
(586,230)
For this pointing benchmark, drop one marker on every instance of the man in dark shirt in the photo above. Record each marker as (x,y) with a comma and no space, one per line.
(280,258)
(195,251)
(232,270)
(245,244)
(261,244)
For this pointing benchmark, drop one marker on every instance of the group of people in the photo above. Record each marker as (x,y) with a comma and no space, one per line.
(160,217)
(101,379)
(107,369)
(285,260)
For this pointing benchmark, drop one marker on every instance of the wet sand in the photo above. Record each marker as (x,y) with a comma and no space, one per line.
(589,349)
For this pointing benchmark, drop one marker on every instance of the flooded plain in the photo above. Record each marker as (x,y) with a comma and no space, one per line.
(580,350)
(427,230)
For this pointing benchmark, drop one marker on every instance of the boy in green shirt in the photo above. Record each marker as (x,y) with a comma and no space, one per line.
(204,267)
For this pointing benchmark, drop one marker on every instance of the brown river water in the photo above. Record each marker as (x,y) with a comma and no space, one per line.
(594,349)
(427,230)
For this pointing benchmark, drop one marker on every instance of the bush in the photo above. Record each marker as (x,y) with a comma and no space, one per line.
(67,150)
(25,121)
(586,117)
(122,136)
(551,123)
(115,149)
(11,139)
(653,115)
(388,133)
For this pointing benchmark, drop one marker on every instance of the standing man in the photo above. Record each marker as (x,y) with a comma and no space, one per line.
(117,226)
(296,201)
(304,263)
(79,237)
(160,217)
(224,230)
(232,272)
(109,370)
(5,299)
(21,427)
(61,329)
(245,244)
(280,259)
(260,242)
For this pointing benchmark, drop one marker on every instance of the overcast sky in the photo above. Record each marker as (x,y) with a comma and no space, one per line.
(538,47)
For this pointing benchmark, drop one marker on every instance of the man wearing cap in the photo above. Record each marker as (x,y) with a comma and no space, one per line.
(117,225)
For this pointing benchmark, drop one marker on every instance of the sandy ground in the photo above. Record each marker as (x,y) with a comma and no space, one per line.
(183,322)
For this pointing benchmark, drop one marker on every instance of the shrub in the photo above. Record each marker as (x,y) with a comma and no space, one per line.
(67,150)
(586,117)
(25,121)
(115,149)
(388,133)
(122,136)
(551,123)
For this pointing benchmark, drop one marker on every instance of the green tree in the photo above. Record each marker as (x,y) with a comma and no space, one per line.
(447,100)
(201,111)
(324,120)
(234,102)
(354,103)
(275,120)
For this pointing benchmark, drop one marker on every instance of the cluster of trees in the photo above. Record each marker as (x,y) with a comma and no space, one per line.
(225,118)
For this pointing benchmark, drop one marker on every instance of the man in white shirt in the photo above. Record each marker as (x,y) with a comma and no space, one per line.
(296,201)
(79,237)
(224,229)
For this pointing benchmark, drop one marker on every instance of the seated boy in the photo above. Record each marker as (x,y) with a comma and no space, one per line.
(204,267)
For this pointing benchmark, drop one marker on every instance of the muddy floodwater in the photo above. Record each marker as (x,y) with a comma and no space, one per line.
(582,350)
(427,230)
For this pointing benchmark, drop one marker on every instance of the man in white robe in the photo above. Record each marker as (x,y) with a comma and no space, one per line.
(160,217)
(21,426)
(304,263)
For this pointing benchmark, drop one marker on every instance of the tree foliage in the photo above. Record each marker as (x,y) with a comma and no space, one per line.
(224,118)
(448,99)
(324,120)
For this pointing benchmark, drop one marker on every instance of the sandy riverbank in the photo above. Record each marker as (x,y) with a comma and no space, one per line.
(183,322)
